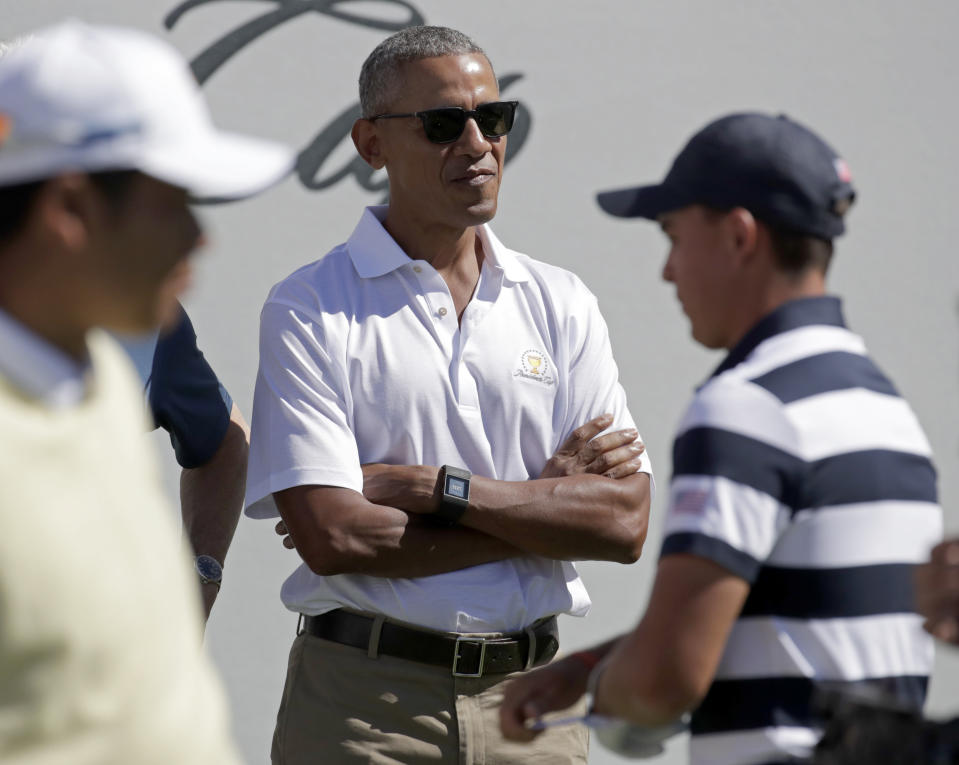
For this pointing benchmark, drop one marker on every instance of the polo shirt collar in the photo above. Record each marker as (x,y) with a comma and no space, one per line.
(38,368)
(821,310)
(375,253)
(502,257)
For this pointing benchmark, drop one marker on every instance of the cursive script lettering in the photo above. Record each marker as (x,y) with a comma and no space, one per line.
(546,380)
(217,54)
(312,159)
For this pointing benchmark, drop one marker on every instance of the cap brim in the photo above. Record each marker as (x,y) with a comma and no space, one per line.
(641,201)
(220,167)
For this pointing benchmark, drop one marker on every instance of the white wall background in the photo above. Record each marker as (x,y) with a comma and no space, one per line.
(615,87)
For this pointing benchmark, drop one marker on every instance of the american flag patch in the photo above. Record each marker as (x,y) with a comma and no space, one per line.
(842,170)
(689,501)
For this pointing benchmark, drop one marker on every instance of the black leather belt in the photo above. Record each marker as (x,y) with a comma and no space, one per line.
(472,656)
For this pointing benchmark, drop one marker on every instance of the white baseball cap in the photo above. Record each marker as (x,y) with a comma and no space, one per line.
(77,97)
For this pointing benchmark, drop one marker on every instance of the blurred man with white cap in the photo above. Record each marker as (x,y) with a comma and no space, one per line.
(104,138)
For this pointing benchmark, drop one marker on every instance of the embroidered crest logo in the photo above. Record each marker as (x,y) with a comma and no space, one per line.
(534,365)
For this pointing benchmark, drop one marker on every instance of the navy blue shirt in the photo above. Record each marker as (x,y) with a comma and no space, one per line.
(186,397)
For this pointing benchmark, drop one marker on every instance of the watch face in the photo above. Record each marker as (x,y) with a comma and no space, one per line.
(209,568)
(457,487)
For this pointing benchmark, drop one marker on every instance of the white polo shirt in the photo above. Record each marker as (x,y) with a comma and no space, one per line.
(362,360)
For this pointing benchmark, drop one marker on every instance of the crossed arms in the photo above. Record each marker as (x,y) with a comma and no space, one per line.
(588,503)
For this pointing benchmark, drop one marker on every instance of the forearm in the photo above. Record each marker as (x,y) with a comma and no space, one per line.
(666,665)
(579,517)
(338,531)
(583,516)
(639,691)
(548,689)
(211,496)
(424,550)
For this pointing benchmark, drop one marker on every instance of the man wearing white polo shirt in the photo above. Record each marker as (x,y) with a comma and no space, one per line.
(424,418)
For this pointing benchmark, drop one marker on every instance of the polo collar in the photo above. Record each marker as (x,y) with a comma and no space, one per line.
(375,253)
(37,368)
(502,257)
(821,310)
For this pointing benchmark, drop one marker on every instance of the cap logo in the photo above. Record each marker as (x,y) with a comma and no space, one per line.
(842,170)
(6,127)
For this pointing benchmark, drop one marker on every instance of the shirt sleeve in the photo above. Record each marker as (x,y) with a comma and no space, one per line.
(186,397)
(733,476)
(594,386)
(301,431)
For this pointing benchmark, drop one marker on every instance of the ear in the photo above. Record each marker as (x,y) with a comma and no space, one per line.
(742,233)
(68,209)
(366,139)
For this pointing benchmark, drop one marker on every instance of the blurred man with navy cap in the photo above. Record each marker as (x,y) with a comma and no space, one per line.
(803,490)
(104,139)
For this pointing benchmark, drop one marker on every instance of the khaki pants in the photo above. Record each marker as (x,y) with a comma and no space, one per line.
(341,706)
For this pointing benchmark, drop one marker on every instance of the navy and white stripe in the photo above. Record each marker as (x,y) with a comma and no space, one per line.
(799,467)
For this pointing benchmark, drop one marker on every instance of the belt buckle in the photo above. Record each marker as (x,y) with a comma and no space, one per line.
(481,642)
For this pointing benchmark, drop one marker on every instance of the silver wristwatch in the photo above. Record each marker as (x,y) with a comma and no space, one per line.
(209,569)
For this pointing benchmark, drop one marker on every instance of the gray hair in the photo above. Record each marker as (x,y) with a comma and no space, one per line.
(379,76)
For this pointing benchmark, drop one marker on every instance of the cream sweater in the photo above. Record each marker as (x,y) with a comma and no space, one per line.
(101,657)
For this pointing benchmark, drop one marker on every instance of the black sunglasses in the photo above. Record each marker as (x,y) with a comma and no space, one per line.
(447,123)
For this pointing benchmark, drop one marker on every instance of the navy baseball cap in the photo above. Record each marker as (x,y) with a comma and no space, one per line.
(779,170)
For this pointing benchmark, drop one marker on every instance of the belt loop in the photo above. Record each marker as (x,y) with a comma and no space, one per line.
(373,649)
(299,624)
(531,657)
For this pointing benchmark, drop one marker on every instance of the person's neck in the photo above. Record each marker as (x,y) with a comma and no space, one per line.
(438,244)
(455,253)
(43,303)
(777,292)
(65,337)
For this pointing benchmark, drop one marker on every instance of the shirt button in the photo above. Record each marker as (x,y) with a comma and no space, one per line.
(442,312)
(417,269)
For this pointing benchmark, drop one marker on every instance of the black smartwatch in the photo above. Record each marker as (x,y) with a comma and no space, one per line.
(455,496)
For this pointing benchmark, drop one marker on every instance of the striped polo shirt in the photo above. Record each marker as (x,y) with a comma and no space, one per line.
(800,468)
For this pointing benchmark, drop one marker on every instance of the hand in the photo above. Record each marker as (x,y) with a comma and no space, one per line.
(284,532)
(615,455)
(556,686)
(413,488)
(937,591)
